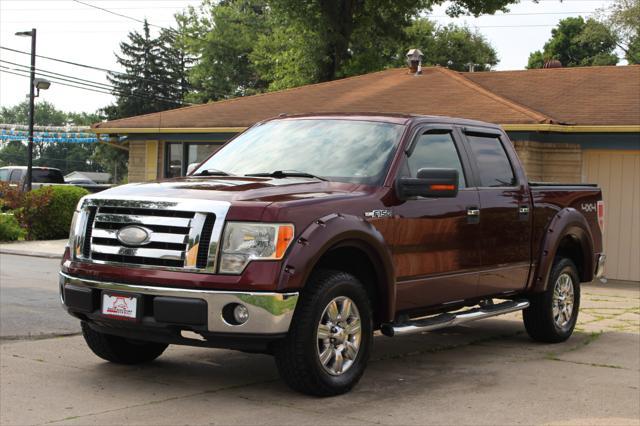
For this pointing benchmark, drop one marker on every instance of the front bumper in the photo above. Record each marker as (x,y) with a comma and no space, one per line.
(183,309)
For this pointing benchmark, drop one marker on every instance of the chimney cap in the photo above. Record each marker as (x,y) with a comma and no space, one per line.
(414,54)
(552,63)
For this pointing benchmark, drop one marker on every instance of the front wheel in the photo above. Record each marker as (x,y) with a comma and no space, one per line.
(327,348)
(552,315)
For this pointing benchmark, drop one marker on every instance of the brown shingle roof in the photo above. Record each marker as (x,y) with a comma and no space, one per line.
(586,95)
(598,95)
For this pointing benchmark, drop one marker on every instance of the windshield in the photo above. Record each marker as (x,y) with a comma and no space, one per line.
(4,175)
(340,150)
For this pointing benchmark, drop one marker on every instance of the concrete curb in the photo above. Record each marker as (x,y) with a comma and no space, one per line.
(31,254)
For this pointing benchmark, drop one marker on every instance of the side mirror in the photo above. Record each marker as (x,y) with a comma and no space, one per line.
(192,167)
(436,183)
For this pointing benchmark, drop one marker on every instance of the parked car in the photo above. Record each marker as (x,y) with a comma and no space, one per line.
(305,234)
(42,176)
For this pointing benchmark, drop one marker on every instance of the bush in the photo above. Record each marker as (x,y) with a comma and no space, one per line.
(10,228)
(46,212)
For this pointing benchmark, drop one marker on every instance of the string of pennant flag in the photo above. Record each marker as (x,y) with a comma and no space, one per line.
(75,134)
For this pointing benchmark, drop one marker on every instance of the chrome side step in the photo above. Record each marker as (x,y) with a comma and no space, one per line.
(450,319)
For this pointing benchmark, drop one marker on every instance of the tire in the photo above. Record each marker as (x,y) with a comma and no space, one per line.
(540,320)
(320,366)
(120,350)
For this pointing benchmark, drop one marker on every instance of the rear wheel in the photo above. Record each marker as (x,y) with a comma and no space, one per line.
(552,315)
(120,350)
(327,348)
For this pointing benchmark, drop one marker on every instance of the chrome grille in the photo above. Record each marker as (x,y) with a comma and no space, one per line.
(183,234)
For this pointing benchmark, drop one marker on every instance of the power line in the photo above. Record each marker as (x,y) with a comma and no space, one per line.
(88,87)
(88,83)
(89,67)
(119,14)
(122,15)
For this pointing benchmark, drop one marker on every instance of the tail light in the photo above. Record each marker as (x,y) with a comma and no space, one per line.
(601,215)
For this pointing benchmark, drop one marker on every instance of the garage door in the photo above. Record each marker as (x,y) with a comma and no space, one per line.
(618,174)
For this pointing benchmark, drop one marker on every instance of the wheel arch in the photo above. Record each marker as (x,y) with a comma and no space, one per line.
(568,235)
(350,244)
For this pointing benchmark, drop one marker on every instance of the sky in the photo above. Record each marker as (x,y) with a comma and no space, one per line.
(75,32)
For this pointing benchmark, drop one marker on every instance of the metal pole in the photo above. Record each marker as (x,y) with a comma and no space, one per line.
(31,108)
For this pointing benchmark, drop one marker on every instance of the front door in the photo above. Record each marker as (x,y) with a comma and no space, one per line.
(436,250)
(505,221)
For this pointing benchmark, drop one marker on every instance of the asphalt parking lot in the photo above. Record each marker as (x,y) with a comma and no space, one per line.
(488,372)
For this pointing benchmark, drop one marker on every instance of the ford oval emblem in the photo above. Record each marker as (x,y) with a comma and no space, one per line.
(134,235)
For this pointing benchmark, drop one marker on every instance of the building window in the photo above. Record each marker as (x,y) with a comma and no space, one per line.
(180,154)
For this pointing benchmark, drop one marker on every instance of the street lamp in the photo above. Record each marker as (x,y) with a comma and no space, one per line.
(32,78)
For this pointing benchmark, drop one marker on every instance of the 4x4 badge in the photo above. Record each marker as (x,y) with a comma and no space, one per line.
(378,213)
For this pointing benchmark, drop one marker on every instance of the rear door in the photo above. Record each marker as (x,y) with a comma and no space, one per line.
(505,219)
(436,250)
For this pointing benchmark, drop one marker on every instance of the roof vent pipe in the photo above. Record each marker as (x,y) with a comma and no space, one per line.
(414,61)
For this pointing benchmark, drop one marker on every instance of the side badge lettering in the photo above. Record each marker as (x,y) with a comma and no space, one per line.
(378,214)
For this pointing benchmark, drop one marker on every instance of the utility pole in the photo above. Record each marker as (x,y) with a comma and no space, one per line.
(32,88)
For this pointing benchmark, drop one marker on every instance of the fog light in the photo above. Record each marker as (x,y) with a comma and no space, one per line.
(240,314)
(235,314)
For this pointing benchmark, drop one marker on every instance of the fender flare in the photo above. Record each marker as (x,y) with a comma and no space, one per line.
(566,222)
(340,230)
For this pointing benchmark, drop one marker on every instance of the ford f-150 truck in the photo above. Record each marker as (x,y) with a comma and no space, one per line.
(305,234)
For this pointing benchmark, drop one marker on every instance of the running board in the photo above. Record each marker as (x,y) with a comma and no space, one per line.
(450,319)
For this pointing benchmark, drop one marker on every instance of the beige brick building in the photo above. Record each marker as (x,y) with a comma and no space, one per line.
(567,124)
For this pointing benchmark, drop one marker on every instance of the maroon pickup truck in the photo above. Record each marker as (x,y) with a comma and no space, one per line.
(305,234)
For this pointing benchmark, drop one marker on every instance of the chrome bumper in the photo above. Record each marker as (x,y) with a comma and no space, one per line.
(269,313)
(599,272)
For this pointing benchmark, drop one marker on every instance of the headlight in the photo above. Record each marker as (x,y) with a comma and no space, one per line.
(243,242)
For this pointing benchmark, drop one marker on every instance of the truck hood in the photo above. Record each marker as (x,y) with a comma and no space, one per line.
(235,189)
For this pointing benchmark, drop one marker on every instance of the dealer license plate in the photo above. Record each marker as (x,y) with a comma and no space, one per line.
(119,306)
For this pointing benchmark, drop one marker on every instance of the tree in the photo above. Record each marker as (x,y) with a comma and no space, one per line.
(338,21)
(451,46)
(45,114)
(145,85)
(623,17)
(249,46)
(577,43)
(222,35)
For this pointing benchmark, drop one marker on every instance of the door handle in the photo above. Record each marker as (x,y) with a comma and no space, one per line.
(473,214)
(523,212)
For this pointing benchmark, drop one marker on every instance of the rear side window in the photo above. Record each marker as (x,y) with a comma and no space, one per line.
(493,163)
(436,150)
(4,175)
(47,176)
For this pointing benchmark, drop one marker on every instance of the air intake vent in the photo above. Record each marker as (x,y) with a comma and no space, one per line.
(205,240)
(86,248)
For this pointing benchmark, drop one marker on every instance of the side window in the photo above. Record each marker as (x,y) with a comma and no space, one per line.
(493,163)
(436,150)
(16,174)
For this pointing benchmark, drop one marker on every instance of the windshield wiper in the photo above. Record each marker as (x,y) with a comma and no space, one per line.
(212,172)
(279,174)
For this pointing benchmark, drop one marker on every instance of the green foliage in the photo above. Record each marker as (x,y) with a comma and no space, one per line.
(623,17)
(451,46)
(10,229)
(223,35)
(154,74)
(346,25)
(578,43)
(46,115)
(47,212)
(249,46)
(112,160)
